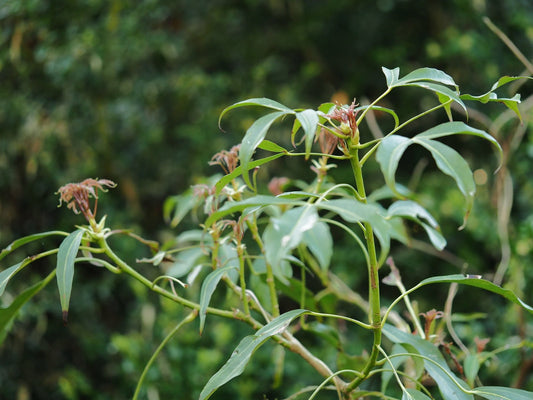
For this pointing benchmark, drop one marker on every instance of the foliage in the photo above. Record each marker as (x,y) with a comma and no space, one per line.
(265,249)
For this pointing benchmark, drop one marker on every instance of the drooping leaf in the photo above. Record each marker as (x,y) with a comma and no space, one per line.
(442,92)
(389,153)
(28,239)
(450,386)
(284,233)
(308,120)
(175,208)
(502,393)
(244,351)
(65,268)
(320,242)
(476,282)
(253,137)
(261,102)
(208,288)
(8,315)
(414,211)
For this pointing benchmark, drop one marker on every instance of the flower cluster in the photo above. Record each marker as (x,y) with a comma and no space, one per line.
(78,195)
(228,160)
(347,118)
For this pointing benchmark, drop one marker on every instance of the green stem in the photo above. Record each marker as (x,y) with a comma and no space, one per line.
(242,278)
(373,276)
(186,320)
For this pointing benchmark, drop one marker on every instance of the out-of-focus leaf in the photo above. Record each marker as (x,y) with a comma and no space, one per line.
(186,260)
(471,367)
(244,351)
(502,393)
(65,268)
(6,275)
(447,382)
(177,207)
(28,239)
(413,394)
(414,211)
(253,137)
(8,315)
(208,287)
(284,233)
(320,242)
(308,120)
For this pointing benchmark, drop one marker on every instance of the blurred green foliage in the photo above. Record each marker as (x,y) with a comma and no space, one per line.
(131,91)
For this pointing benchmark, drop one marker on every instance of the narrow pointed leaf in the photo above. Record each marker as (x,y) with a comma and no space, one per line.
(441,90)
(261,102)
(479,283)
(389,153)
(308,120)
(413,394)
(250,203)
(65,268)
(244,351)
(253,137)
(28,239)
(239,171)
(502,393)
(208,288)
(271,146)
(7,274)
(8,315)
(320,242)
(447,382)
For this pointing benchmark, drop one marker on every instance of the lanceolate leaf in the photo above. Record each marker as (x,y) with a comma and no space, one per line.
(426,74)
(261,102)
(65,268)
(447,382)
(244,351)
(502,393)
(6,275)
(8,315)
(320,242)
(27,239)
(253,137)
(477,282)
(441,90)
(208,287)
(413,394)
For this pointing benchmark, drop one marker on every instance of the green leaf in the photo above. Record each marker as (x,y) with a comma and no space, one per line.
(391,75)
(261,102)
(441,91)
(502,393)
(27,239)
(6,275)
(447,382)
(175,208)
(271,146)
(284,233)
(471,367)
(424,74)
(320,242)
(208,288)
(389,153)
(308,120)
(253,137)
(414,211)
(186,260)
(65,268)
(8,315)
(250,203)
(476,282)
(239,170)
(413,394)
(244,351)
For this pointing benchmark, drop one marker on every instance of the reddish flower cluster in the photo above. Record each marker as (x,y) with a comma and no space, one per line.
(347,117)
(77,196)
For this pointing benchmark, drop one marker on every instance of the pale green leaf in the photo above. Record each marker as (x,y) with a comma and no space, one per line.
(502,393)
(7,274)
(441,90)
(425,74)
(413,394)
(389,153)
(391,75)
(253,137)
(8,315)
(318,239)
(244,351)
(447,382)
(208,288)
(471,367)
(308,120)
(65,268)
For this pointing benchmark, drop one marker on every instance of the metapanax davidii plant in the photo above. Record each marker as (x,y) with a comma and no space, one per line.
(263,246)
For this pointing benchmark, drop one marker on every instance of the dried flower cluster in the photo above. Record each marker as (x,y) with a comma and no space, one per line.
(78,195)
(228,160)
(347,118)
